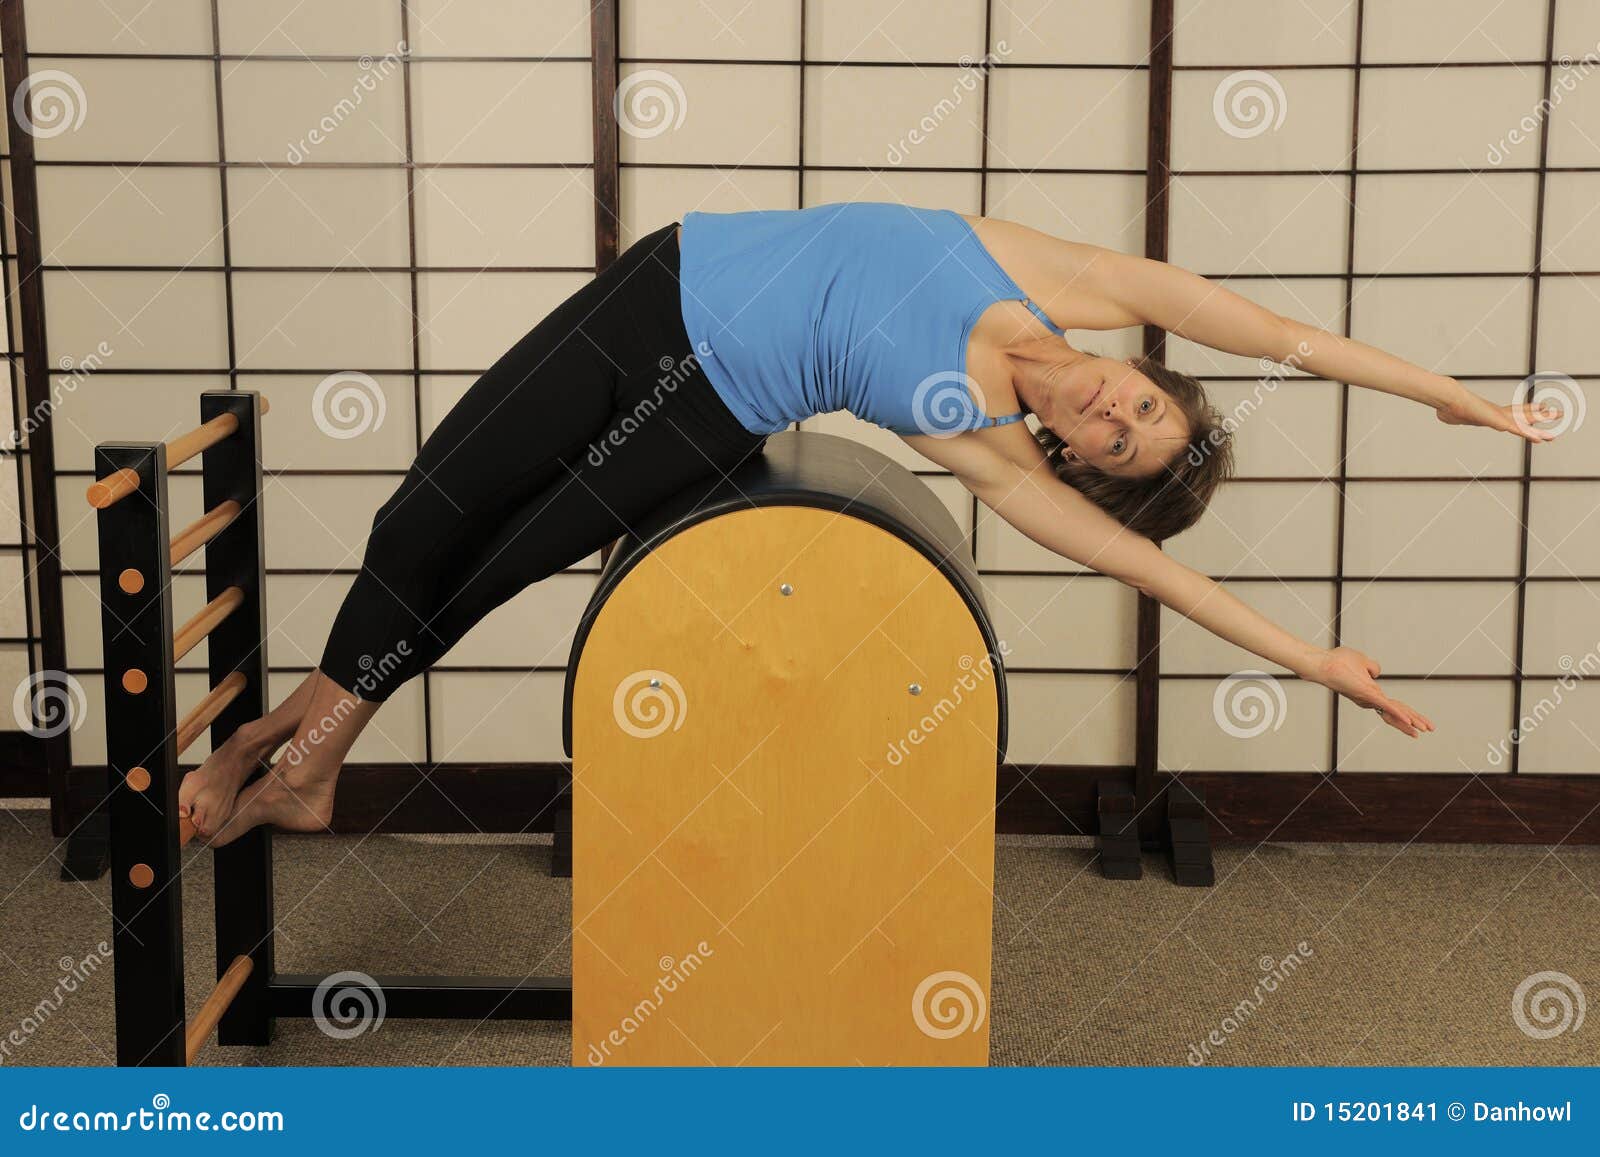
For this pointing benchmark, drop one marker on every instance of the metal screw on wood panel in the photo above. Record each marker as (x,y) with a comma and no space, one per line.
(786,589)
(655,684)
(915,688)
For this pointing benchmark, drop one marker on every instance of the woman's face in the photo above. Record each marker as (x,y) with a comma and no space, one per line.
(1116,419)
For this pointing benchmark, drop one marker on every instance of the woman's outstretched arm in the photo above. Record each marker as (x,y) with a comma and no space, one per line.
(1202,311)
(1087,287)
(1057,517)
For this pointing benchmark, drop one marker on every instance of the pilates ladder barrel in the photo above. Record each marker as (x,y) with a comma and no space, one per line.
(765,870)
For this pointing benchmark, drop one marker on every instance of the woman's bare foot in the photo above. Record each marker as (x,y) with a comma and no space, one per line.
(298,799)
(206,795)
(297,795)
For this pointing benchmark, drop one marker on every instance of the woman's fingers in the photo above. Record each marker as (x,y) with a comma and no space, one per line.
(1401,717)
(1523,417)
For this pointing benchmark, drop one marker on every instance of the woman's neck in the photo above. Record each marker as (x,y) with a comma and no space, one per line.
(1035,365)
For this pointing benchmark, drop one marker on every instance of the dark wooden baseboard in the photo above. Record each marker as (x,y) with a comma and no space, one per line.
(1054,800)
(1248,806)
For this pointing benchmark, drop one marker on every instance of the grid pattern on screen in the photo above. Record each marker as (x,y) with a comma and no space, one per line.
(1030,111)
(388,194)
(1424,202)
(20,638)
(1351,515)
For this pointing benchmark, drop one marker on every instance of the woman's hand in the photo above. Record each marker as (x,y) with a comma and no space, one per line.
(1464,408)
(1355,676)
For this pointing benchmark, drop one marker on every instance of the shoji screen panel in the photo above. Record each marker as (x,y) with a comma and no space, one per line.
(21,661)
(1022,109)
(354,209)
(1385,169)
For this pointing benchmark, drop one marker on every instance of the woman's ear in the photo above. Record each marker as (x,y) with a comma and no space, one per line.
(1134,362)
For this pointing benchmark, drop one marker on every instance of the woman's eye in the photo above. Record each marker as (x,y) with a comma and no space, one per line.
(1118,446)
(1147,405)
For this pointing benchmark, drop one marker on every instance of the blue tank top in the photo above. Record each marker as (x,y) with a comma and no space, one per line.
(858,307)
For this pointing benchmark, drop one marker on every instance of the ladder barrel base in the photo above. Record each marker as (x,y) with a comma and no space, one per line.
(785,709)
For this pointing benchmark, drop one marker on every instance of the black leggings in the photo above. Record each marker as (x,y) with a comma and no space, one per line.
(596,416)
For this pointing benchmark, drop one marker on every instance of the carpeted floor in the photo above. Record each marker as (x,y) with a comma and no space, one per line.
(1415,953)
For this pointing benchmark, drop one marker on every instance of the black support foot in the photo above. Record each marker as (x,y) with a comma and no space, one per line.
(1119,831)
(561,850)
(1188,837)
(88,851)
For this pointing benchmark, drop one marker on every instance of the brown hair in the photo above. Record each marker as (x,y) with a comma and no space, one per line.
(1172,500)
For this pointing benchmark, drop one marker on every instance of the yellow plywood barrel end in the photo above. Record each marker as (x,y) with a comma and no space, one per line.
(783,738)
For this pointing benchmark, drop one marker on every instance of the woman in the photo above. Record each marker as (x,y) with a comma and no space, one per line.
(665,370)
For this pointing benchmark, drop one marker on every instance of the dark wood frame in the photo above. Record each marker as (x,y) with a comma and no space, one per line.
(34,764)
(1045,798)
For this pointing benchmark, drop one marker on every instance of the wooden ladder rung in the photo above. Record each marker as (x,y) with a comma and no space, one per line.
(193,725)
(203,529)
(114,487)
(205,1021)
(205,620)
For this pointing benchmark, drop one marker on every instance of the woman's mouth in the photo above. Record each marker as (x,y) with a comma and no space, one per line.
(1091,400)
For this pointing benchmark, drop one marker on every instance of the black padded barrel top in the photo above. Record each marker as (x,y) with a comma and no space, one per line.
(807,469)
